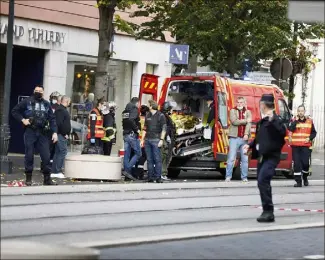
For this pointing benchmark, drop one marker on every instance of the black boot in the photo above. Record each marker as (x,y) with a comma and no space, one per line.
(48,180)
(28,179)
(266,217)
(298,181)
(306,182)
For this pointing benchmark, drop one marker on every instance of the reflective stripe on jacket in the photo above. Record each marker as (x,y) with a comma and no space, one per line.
(110,137)
(99,130)
(303,131)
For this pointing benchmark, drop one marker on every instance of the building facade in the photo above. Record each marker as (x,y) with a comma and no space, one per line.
(56,45)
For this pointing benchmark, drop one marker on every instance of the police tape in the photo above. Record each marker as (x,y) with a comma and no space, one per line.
(297,210)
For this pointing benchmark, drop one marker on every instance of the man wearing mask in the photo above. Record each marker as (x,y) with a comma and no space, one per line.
(109,127)
(211,117)
(153,137)
(131,130)
(169,142)
(302,133)
(239,132)
(64,128)
(35,113)
(95,124)
(266,147)
(55,102)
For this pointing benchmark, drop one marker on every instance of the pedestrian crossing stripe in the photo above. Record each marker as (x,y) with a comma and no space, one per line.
(299,210)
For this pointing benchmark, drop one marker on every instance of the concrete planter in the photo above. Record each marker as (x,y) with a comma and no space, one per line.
(92,166)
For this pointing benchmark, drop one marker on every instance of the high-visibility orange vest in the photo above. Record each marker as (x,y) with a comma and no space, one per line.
(99,129)
(303,131)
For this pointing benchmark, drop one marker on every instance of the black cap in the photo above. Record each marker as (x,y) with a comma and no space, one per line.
(269,98)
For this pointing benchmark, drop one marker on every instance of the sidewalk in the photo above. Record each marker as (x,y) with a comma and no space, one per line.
(18,174)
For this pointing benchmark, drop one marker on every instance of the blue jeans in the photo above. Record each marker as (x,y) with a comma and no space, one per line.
(61,150)
(154,160)
(236,144)
(36,138)
(131,142)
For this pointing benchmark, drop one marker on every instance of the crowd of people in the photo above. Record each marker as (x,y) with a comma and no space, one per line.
(149,136)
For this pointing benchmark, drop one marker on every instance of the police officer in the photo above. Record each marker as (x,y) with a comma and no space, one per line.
(302,133)
(35,113)
(267,146)
(95,124)
(153,137)
(55,100)
(109,127)
(138,170)
(169,142)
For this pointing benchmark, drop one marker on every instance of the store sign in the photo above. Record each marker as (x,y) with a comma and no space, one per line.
(178,54)
(35,34)
(260,77)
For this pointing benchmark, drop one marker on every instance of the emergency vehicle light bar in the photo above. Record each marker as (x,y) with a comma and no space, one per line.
(198,74)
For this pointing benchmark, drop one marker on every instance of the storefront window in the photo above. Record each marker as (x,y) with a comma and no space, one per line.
(80,86)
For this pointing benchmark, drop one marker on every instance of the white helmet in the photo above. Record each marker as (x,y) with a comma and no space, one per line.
(112,105)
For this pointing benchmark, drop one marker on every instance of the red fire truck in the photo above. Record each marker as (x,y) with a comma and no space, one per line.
(192,150)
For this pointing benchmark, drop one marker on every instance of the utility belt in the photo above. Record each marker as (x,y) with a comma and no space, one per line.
(41,125)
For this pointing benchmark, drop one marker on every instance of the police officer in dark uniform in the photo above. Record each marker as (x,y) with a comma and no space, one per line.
(35,113)
(55,103)
(266,147)
(169,142)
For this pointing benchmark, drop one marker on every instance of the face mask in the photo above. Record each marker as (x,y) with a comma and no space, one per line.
(38,95)
(239,108)
(54,101)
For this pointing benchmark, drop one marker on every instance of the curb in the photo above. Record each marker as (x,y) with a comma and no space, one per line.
(37,190)
(176,237)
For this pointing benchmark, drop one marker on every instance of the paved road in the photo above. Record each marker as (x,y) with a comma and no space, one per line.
(92,215)
(288,244)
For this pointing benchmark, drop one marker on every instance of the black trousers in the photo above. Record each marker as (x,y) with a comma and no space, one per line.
(107,147)
(301,161)
(36,138)
(265,172)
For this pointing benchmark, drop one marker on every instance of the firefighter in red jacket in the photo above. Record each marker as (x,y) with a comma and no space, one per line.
(95,124)
(301,134)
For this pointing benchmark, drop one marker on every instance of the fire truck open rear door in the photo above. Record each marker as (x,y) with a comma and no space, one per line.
(148,88)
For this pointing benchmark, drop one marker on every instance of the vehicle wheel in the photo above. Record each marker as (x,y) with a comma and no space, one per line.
(173,173)
(288,175)
(236,174)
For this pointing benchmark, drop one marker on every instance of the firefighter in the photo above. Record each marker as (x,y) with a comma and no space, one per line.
(109,125)
(169,142)
(302,133)
(95,124)
(266,147)
(35,113)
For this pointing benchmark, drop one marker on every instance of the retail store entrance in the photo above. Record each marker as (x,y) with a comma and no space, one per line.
(27,72)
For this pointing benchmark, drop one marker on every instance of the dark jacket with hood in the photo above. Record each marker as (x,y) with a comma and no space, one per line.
(131,119)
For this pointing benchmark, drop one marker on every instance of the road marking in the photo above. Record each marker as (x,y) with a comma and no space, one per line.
(314,257)
(298,210)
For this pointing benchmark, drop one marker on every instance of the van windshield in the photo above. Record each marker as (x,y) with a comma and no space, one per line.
(222,109)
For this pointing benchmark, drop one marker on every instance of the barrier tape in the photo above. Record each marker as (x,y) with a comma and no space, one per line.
(299,210)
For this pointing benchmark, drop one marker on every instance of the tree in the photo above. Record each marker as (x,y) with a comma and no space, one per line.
(224,33)
(108,22)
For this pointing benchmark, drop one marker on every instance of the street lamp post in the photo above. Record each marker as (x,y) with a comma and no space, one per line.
(6,165)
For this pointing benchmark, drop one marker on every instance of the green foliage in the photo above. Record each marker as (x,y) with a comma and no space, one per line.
(226,32)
